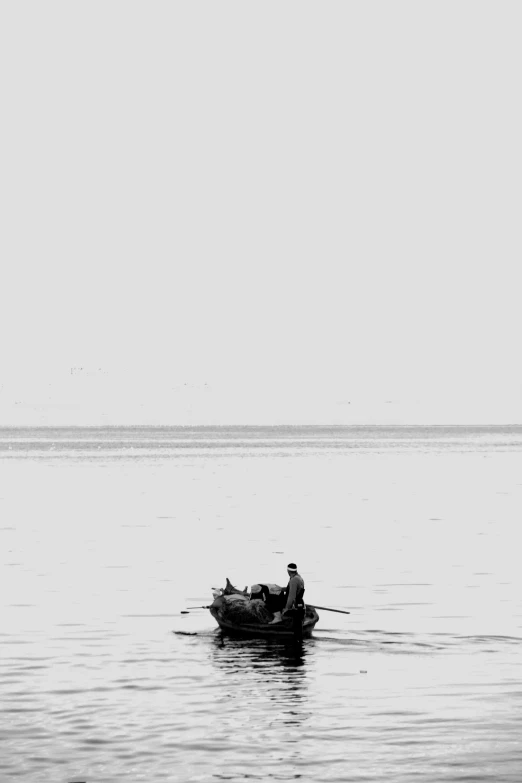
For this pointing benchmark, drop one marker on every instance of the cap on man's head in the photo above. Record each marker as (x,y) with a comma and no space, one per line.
(292,567)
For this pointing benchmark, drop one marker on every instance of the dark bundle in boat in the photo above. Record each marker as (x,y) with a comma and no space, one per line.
(240,609)
(240,606)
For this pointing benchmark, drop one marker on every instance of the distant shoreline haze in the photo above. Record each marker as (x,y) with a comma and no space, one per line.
(235,440)
(268,428)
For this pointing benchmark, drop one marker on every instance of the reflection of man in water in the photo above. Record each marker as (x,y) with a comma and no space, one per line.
(292,598)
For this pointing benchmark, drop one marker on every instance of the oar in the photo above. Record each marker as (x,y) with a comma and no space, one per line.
(328,609)
(186,611)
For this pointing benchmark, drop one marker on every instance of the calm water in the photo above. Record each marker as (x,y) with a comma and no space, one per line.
(107,535)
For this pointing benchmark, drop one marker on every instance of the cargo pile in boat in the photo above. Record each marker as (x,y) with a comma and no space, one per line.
(240,609)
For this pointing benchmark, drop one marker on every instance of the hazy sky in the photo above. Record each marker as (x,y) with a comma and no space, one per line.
(260,212)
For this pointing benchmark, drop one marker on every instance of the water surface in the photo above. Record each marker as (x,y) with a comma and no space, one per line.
(106,535)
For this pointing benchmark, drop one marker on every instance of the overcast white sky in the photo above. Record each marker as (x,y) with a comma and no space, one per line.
(260,211)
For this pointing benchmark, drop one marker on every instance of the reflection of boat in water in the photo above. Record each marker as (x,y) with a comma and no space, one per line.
(237,614)
(263,675)
(280,661)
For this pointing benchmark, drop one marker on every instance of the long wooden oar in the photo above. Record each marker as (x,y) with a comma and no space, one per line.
(328,609)
(312,606)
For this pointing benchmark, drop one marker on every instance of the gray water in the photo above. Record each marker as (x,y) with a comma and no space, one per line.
(107,535)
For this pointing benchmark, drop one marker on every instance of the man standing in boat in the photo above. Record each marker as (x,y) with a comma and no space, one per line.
(294,604)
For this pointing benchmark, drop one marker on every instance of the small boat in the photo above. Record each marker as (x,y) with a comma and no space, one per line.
(260,626)
(283,630)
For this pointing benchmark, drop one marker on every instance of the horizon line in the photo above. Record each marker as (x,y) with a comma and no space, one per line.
(352,425)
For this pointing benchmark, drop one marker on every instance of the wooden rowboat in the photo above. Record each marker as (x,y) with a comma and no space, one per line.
(283,630)
(258,627)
